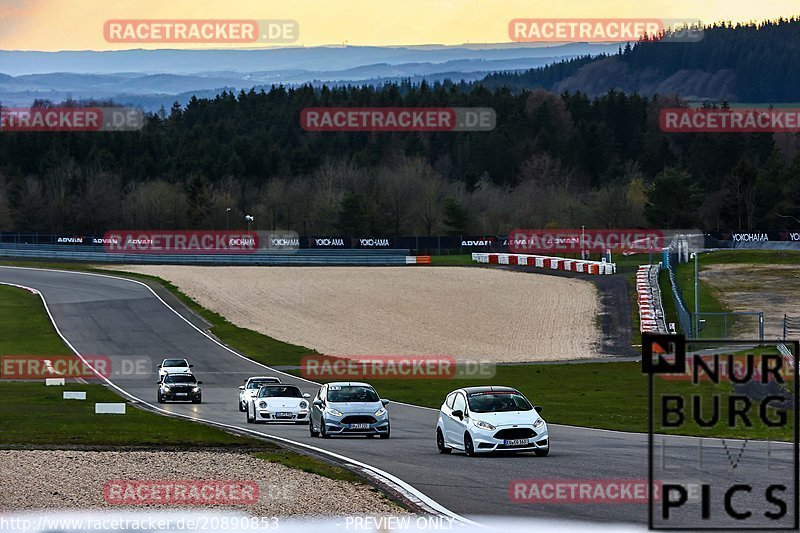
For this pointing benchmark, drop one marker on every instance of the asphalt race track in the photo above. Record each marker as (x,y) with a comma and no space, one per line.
(101,315)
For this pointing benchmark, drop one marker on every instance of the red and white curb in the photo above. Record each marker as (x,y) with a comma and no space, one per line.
(553,263)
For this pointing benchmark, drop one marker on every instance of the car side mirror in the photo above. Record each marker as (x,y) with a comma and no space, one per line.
(158,383)
(538,408)
(458,413)
(159,366)
(318,403)
(241,387)
(306,395)
(385,402)
(191,366)
(199,382)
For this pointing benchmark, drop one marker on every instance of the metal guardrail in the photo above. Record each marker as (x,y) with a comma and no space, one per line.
(297,257)
(671,260)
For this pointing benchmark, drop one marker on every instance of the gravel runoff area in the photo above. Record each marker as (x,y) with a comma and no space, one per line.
(772,289)
(54,480)
(470,313)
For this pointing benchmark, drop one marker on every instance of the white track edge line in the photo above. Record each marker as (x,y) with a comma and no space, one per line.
(406,489)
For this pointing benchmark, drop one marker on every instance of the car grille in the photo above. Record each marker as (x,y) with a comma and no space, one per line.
(515,433)
(359,419)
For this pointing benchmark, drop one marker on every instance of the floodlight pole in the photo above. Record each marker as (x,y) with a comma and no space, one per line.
(583,234)
(696,300)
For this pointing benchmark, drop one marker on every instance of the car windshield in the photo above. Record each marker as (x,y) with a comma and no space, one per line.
(179,378)
(175,362)
(351,393)
(258,384)
(497,402)
(280,391)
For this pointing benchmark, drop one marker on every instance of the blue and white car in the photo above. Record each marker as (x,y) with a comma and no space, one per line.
(491,419)
(349,408)
(278,402)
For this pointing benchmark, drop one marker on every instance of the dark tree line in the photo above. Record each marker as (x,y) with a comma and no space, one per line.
(553,160)
(753,62)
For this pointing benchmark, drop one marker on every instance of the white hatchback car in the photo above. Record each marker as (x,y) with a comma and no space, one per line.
(491,419)
(278,403)
(173,366)
(250,389)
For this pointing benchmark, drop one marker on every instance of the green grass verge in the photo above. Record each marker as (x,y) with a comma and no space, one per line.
(33,414)
(453,260)
(308,464)
(26,328)
(752,257)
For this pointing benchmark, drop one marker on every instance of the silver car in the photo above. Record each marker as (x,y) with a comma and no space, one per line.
(348,408)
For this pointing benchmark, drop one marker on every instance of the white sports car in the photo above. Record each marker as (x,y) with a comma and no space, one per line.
(491,419)
(173,366)
(250,389)
(278,403)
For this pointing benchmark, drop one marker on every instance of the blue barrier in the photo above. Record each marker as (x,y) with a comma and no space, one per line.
(296,257)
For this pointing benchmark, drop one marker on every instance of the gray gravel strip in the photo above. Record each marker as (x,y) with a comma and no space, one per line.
(58,480)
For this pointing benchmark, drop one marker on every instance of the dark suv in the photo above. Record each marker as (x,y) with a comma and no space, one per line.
(179,387)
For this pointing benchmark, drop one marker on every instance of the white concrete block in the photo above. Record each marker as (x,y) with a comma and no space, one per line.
(109,408)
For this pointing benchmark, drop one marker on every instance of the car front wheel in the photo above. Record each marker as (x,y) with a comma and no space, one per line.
(311,429)
(542,452)
(250,420)
(242,407)
(469,448)
(440,443)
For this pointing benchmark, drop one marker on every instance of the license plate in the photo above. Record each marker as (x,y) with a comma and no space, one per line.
(283,415)
(515,442)
(359,426)
(181,393)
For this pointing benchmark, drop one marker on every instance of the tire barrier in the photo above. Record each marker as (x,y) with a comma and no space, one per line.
(651,311)
(553,263)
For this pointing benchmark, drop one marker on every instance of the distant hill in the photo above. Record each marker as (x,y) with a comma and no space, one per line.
(744,63)
(322,58)
(155,78)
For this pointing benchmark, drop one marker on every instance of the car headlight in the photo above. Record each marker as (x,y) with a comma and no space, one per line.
(262,404)
(196,389)
(380,412)
(333,412)
(303,405)
(483,425)
(166,389)
(539,423)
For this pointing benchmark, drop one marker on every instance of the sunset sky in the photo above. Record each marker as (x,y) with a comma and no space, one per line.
(51,25)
